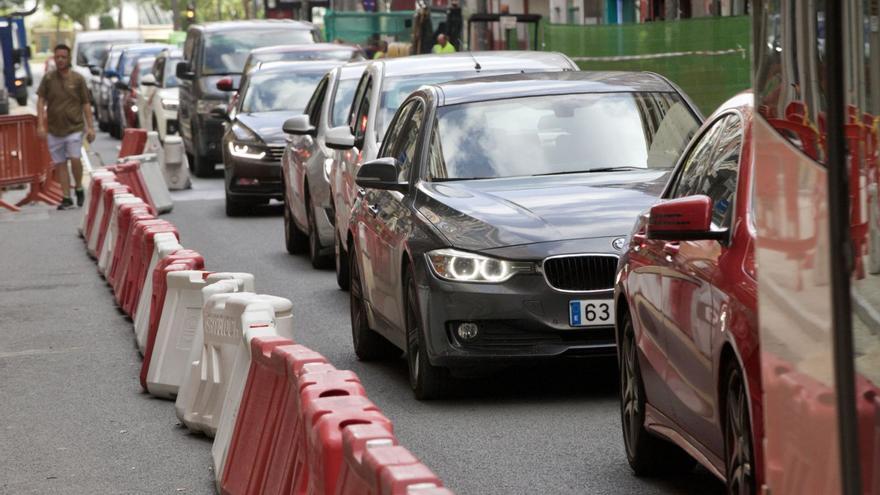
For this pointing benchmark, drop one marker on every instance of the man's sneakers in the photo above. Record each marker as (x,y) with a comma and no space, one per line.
(80,197)
(66,204)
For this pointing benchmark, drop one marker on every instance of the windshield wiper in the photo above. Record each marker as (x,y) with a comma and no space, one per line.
(453,179)
(589,171)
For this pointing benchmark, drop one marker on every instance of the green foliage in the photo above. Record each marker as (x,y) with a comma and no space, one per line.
(7,6)
(78,10)
(106,22)
(206,10)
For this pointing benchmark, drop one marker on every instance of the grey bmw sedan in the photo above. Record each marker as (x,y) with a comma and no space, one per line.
(490,225)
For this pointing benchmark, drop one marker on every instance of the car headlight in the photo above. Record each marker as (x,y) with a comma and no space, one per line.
(205,106)
(461,266)
(168,104)
(243,134)
(246,143)
(247,151)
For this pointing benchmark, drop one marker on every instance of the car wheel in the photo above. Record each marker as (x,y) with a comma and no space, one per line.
(738,452)
(427,381)
(294,239)
(647,454)
(341,260)
(368,345)
(103,125)
(234,207)
(319,261)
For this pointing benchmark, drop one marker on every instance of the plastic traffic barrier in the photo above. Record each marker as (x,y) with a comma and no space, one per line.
(107,189)
(355,476)
(181,260)
(257,421)
(164,244)
(150,174)
(176,332)
(131,251)
(400,472)
(128,173)
(107,199)
(137,272)
(95,187)
(95,180)
(218,283)
(108,243)
(175,168)
(133,141)
(127,214)
(226,354)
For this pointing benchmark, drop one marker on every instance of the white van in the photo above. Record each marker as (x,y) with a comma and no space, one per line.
(90,48)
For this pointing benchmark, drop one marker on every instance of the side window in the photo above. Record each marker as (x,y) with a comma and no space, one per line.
(436,163)
(361,113)
(719,180)
(408,140)
(393,137)
(313,109)
(688,178)
(159,70)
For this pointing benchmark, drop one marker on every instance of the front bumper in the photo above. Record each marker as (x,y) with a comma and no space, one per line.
(266,173)
(522,318)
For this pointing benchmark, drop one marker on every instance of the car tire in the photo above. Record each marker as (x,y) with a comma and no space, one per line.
(341,260)
(368,345)
(235,208)
(319,261)
(739,460)
(295,240)
(647,454)
(426,380)
(103,125)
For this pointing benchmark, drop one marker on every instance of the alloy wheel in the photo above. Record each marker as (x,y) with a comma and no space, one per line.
(413,351)
(629,391)
(356,304)
(737,438)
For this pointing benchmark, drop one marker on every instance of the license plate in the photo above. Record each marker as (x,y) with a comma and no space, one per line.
(591,313)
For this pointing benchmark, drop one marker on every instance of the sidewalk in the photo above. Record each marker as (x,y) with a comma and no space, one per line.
(74,419)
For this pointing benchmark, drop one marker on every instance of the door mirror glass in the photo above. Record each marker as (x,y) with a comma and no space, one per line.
(299,126)
(381,173)
(683,219)
(340,138)
(182,71)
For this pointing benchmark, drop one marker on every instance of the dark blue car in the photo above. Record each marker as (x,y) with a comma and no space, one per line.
(124,67)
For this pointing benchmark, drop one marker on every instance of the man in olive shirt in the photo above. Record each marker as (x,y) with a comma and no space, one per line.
(63,111)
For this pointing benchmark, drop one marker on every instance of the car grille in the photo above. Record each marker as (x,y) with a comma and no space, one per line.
(581,273)
(275,153)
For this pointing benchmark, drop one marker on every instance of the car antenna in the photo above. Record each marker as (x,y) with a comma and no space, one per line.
(477,66)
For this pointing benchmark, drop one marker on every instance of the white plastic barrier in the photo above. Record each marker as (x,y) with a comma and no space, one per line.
(88,199)
(175,167)
(240,370)
(101,215)
(224,364)
(105,257)
(219,283)
(163,245)
(92,241)
(151,174)
(153,144)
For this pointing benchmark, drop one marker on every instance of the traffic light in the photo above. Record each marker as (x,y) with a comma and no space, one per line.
(189,16)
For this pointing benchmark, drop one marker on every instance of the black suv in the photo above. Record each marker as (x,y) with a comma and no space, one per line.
(214,51)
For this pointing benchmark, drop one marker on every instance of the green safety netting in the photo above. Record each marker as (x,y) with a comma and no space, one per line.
(359,27)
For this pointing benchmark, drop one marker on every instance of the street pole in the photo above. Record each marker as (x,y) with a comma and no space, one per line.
(175,15)
(219,10)
(119,19)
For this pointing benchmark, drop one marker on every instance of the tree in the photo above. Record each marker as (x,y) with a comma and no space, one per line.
(206,10)
(79,10)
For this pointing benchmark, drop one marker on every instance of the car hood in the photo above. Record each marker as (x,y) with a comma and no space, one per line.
(168,93)
(267,125)
(486,214)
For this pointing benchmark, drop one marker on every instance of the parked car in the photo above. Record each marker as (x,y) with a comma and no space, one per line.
(213,51)
(254,142)
(306,164)
(492,220)
(131,94)
(158,96)
(90,50)
(383,86)
(686,304)
(102,84)
(127,62)
(290,53)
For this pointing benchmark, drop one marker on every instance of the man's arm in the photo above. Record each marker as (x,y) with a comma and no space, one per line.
(90,128)
(41,117)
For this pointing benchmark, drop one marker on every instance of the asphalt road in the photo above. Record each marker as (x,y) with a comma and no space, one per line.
(75,421)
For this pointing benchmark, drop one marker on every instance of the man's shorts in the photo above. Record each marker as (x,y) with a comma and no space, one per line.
(63,147)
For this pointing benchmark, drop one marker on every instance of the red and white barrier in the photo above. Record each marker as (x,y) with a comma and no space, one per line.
(150,176)
(164,244)
(133,142)
(107,189)
(218,283)
(97,177)
(109,242)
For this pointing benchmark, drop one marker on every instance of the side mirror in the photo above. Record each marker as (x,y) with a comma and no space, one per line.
(683,219)
(220,113)
(183,71)
(148,80)
(226,84)
(339,138)
(95,70)
(381,173)
(299,126)
(121,85)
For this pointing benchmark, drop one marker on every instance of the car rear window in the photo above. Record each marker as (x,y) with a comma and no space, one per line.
(226,52)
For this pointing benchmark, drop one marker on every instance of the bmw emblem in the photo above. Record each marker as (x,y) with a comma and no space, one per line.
(618,243)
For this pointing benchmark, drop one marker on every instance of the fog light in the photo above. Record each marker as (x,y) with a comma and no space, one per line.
(467,331)
(244,181)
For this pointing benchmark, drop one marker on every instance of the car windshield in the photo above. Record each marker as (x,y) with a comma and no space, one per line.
(144,65)
(113,59)
(131,58)
(560,134)
(92,53)
(226,52)
(342,101)
(279,91)
(343,54)
(169,79)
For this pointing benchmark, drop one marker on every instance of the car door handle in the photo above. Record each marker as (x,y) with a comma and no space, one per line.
(374,209)
(671,248)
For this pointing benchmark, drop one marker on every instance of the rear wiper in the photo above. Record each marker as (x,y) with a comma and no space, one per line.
(588,171)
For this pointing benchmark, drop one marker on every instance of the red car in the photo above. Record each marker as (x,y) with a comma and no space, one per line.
(687,325)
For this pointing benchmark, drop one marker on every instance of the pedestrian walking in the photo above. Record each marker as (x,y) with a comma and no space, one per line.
(63,113)
(442,46)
